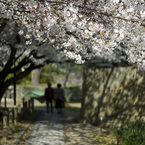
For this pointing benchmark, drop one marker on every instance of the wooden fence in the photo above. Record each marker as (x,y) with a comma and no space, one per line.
(13,115)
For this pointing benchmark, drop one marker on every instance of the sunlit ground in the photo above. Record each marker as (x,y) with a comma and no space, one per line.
(75,132)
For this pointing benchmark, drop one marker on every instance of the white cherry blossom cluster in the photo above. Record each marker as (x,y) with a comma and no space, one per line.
(72,55)
(111,29)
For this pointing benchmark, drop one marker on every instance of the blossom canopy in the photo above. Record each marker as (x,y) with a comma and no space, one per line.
(81,29)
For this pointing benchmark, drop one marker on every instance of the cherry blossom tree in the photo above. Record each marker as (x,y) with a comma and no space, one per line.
(79,29)
(17,59)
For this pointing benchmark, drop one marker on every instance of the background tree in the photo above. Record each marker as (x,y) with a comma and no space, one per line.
(16,56)
(35,78)
(46,74)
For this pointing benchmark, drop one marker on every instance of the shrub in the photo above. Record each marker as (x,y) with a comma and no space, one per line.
(132,134)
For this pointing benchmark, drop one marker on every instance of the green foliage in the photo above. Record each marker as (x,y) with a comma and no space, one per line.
(46,74)
(132,134)
(60,70)
(78,68)
(11,75)
(25,80)
(51,68)
(104,139)
(45,78)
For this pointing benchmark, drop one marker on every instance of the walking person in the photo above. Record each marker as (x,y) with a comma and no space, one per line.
(49,95)
(59,98)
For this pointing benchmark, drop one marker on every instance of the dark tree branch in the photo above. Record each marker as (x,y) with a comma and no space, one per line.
(3,23)
(37,56)
(21,64)
(71,33)
(17,77)
(19,55)
(8,65)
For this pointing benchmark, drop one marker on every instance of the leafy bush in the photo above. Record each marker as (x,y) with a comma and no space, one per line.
(132,134)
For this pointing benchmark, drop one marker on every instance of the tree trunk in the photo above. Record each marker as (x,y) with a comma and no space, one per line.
(67,76)
(35,79)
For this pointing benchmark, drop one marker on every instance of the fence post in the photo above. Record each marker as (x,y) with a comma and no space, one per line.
(5,102)
(5,125)
(19,112)
(25,108)
(101,124)
(32,100)
(5,119)
(118,134)
(10,118)
(30,105)
(15,114)
(23,102)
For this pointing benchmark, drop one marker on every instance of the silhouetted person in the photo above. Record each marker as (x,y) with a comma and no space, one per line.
(49,95)
(59,98)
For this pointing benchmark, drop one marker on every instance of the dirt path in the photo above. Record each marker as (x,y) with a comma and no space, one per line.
(77,133)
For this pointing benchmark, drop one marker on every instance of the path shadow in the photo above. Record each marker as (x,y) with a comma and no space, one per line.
(80,133)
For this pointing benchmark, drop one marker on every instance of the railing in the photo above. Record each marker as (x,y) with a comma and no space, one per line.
(11,117)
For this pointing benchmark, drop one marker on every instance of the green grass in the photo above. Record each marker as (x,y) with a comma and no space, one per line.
(74,107)
(105,139)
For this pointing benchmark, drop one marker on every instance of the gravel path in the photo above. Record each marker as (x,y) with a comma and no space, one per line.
(66,129)
(76,133)
(48,130)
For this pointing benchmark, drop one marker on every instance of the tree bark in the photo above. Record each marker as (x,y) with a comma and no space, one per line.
(35,79)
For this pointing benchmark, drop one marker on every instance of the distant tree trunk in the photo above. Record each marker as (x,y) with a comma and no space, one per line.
(69,69)
(35,79)
(66,77)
